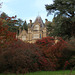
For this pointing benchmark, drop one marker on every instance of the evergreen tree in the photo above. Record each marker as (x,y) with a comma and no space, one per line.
(10,21)
(19,22)
(65,8)
(49,28)
(62,28)
(25,26)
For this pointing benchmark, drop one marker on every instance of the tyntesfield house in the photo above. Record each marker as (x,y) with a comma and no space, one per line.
(36,30)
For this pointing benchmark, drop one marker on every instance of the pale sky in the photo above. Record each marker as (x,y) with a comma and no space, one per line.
(26,9)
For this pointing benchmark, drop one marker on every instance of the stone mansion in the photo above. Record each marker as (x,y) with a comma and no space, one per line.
(36,30)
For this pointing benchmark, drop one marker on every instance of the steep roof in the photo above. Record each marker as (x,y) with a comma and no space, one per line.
(39,20)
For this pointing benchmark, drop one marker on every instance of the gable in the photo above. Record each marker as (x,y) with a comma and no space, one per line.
(23,33)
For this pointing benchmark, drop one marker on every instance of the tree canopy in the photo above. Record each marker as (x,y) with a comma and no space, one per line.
(64,13)
(10,21)
(62,7)
(25,25)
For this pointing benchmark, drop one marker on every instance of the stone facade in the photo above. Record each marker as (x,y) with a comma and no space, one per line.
(36,30)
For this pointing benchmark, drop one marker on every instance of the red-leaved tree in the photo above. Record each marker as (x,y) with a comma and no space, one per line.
(53,51)
(6,37)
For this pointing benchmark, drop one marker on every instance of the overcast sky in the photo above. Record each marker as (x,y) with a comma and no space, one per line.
(26,9)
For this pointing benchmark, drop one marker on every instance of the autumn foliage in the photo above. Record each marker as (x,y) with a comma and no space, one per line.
(6,37)
(17,56)
(44,55)
(20,56)
(53,51)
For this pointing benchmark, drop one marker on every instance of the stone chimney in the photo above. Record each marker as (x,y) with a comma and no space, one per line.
(46,20)
(30,21)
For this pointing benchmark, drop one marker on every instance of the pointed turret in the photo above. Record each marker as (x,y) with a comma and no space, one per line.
(40,21)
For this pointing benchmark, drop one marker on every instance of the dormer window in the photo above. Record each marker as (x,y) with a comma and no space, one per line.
(36,27)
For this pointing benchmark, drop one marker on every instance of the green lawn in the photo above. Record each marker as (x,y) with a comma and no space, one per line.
(48,73)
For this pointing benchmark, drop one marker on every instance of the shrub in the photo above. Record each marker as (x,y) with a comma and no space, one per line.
(70,52)
(17,55)
(20,56)
(53,51)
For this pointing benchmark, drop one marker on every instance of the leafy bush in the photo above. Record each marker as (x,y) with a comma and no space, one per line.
(53,51)
(20,56)
(17,55)
(70,52)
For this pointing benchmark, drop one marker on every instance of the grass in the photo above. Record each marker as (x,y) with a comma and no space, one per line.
(67,72)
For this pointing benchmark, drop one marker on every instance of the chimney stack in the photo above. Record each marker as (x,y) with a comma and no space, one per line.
(30,21)
(46,20)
